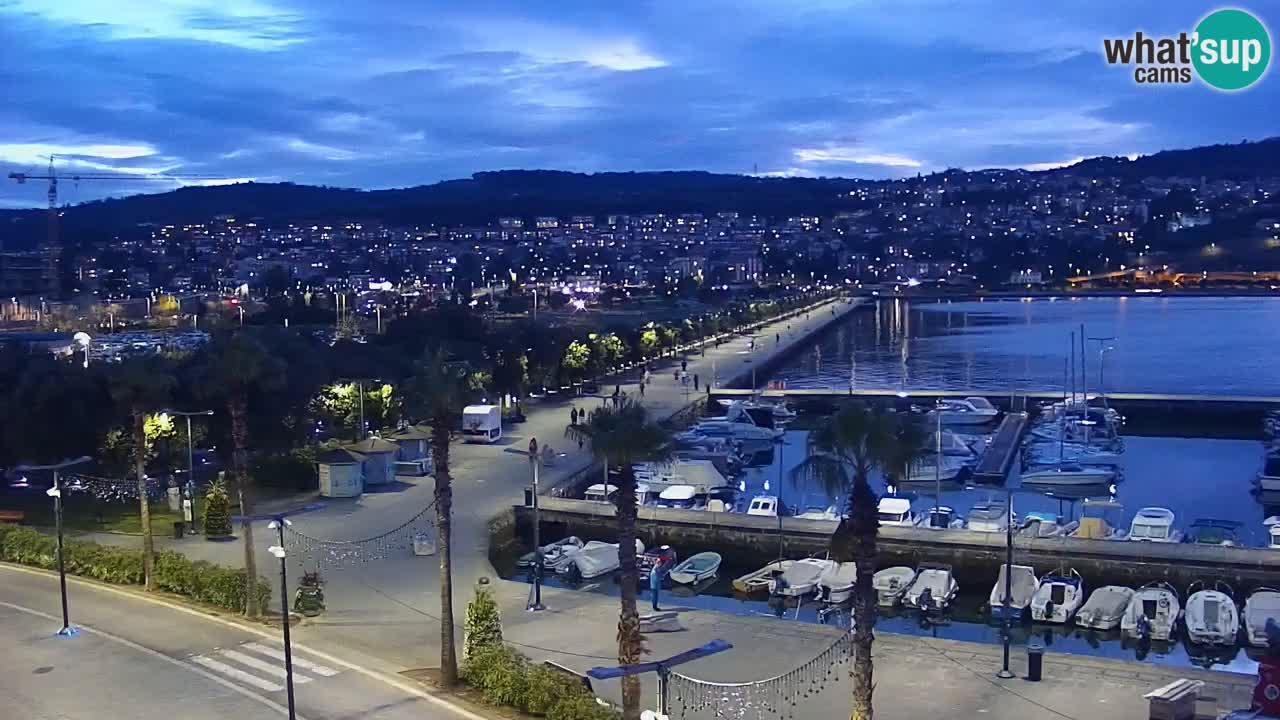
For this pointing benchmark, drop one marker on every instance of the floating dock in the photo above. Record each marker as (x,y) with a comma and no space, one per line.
(1003,448)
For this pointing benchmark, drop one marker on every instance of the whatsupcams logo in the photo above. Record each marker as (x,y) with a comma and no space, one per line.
(1229,50)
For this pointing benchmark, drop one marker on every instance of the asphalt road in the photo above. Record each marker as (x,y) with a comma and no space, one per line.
(136,659)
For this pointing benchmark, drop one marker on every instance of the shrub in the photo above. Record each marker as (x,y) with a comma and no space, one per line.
(505,677)
(217,511)
(581,707)
(293,470)
(483,626)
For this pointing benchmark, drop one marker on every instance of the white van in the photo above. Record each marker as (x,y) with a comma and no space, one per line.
(481,423)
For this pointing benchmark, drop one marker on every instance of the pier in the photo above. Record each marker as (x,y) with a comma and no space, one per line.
(1003,448)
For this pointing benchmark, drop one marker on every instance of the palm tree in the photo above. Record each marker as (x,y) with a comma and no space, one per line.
(437,391)
(140,386)
(620,436)
(860,440)
(236,367)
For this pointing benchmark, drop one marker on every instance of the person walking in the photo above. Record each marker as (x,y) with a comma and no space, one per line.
(684,365)
(695,382)
(642,390)
(573,416)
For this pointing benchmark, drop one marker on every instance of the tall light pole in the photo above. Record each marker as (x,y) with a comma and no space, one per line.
(535,600)
(191,463)
(1005,673)
(1104,347)
(82,339)
(278,550)
(55,492)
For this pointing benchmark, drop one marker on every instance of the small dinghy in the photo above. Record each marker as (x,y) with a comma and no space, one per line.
(1058,598)
(758,581)
(1262,605)
(1211,616)
(1022,587)
(835,586)
(696,568)
(891,583)
(1152,613)
(801,578)
(1105,608)
(933,589)
(551,552)
(592,560)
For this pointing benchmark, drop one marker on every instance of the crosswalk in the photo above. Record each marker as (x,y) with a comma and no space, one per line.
(260,665)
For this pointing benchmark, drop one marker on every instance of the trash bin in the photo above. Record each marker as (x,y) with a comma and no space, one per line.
(528,496)
(1035,660)
(179,528)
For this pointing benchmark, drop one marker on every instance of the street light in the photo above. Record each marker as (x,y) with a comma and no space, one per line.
(82,339)
(55,492)
(278,551)
(191,464)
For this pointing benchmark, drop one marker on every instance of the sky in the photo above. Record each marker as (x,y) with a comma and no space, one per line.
(390,93)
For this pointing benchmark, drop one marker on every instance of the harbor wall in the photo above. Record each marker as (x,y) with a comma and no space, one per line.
(750,541)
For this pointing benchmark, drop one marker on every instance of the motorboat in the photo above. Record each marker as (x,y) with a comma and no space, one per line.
(695,569)
(1094,523)
(1207,531)
(757,581)
(1049,453)
(835,585)
(935,468)
(1154,524)
(819,513)
(1022,582)
(1038,524)
(763,506)
(943,517)
(1269,476)
(1105,607)
(1211,615)
(896,511)
(891,584)
(988,516)
(780,411)
(592,560)
(600,492)
(740,423)
(1152,614)
(1079,407)
(699,474)
(678,496)
(951,445)
(969,411)
(646,562)
(933,589)
(1261,606)
(1070,474)
(1058,597)
(801,578)
(551,552)
(1272,524)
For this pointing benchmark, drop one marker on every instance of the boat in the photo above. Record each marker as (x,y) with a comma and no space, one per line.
(1154,524)
(1105,607)
(757,581)
(897,511)
(1045,454)
(678,496)
(763,506)
(1022,582)
(933,589)
(1261,606)
(551,552)
(647,561)
(695,569)
(1152,614)
(819,513)
(891,583)
(1037,524)
(953,446)
(592,560)
(801,578)
(1207,531)
(1058,597)
(600,492)
(1094,521)
(1211,616)
(702,475)
(1273,531)
(969,411)
(943,517)
(935,468)
(835,585)
(1068,473)
(988,516)
(1268,477)
(780,411)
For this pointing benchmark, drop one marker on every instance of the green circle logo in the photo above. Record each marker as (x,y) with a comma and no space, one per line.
(1232,49)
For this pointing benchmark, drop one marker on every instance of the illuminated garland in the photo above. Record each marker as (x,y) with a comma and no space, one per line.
(337,554)
(112,489)
(773,698)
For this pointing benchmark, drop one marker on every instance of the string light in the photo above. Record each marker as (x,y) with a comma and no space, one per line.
(337,554)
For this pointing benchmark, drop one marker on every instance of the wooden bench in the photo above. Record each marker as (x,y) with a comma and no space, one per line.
(1175,701)
(12,516)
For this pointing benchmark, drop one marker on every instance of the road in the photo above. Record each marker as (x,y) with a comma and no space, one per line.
(134,658)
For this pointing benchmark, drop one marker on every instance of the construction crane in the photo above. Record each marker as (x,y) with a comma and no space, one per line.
(53,246)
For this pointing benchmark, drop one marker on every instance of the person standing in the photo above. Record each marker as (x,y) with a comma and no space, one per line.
(642,390)
(695,382)
(573,416)
(655,580)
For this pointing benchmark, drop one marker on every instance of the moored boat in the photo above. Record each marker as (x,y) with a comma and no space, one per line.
(1022,584)
(933,589)
(1105,607)
(835,585)
(1211,616)
(891,583)
(1058,597)
(1152,614)
(1154,524)
(757,581)
(1261,606)
(801,578)
(551,552)
(696,568)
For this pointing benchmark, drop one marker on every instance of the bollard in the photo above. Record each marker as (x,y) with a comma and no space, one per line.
(1035,660)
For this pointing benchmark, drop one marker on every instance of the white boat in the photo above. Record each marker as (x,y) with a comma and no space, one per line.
(1070,474)
(592,560)
(801,578)
(896,511)
(780,410)
(1273,531)
(819,513)
(695,569)
(943,517)
(1152,614)
(600,492)
(1050,453)
(1022,587)
(763,506)
(891,583)
(988,516)
(1262,605)
(1211,616)
(933,589)
(1154,524)
(934,468)
(952,446)
(1037,524)
(757,581)
(678,496)
(1105,607)
(1269,476)
(835,585)
(1058,598)
(969,411)
(551,552)
(699,474)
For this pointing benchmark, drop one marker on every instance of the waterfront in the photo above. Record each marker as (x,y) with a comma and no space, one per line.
(1190,345)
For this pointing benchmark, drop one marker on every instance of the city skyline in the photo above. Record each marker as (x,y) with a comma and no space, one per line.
(324,93)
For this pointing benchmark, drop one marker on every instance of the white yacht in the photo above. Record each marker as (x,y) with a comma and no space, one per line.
(600,492)
(1152,614)
(1105,607)
(891,583)
(988,516)
(801,578)
(763,506)
(1262,605)
(683,497)
(1069,474)
(1022,587)
(933,589)
(934,468)
(897,511)
(701,474)
(835,585)
(1058,597)
(969,411)
(819,513)
(1154,524)
(1211,616)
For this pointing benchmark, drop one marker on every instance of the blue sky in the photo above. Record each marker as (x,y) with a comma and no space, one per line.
(388,93)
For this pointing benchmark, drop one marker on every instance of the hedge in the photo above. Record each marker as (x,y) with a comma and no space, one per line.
(196,579)
(505,677)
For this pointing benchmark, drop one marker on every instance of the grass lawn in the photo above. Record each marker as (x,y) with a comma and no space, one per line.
(86,513)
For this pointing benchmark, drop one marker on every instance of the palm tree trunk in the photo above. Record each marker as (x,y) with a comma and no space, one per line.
(237,408)
(630,642)
(144,507)
(444,528)
(863,524)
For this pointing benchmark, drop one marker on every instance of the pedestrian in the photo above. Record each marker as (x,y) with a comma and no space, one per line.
(695,382)
(704,351)
(641,389)
(675,376)
(684,365)
(579,443)
(777,338)
(655,580)
(573,416)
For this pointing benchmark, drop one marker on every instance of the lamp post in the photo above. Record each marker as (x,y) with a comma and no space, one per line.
(535,598)
(1004,673)
(55,492)
(1103,348)
(191,462)
(278,550)
(82,339)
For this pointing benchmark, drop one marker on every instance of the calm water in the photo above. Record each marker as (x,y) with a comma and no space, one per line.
(1224,346)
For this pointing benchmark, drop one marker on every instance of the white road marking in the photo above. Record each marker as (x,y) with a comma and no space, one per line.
(237,673)
(278,654)
(255,663)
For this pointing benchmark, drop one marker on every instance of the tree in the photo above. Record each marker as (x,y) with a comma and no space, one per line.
(576,357)
(861,440)
(437,392)
(217,511)
(139,387)
(484,623)
(647,342)
(621,436)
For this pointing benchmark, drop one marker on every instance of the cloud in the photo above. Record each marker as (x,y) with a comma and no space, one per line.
(844,154)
